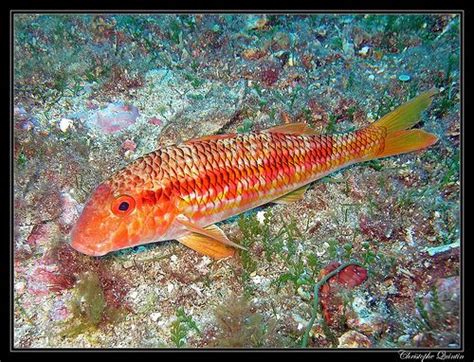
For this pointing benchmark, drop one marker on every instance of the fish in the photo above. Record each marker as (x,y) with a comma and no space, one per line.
(180,191)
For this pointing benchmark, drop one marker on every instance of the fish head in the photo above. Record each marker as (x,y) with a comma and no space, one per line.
(111,220)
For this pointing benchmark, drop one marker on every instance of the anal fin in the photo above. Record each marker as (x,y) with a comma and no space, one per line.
(293,196)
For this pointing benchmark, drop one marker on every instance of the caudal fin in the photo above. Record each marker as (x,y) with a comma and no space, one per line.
(400,139)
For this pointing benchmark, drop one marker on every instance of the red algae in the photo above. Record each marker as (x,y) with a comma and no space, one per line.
(115,288)
(129,145)
(375,228)
(269,76)
(348,278)
(155,121)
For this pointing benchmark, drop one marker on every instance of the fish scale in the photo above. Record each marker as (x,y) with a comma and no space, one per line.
(285,159)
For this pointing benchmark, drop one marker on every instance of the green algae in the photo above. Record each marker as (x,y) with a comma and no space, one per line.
(181,327)
(239,325)
(89,307)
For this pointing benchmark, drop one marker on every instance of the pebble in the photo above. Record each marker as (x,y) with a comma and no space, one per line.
(261,217)
(303,293)
(127,264)
(354,339)
(155,316)
(404,338)
(20,287)
(404,77)
(65,124)
(364,50)
(170,287)
(371,77)
(441,249)
(291,60)
(196,289)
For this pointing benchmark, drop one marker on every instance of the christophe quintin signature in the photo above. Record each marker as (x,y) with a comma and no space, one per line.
(431,356)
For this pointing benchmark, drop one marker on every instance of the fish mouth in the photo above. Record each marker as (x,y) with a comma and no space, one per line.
(85,244)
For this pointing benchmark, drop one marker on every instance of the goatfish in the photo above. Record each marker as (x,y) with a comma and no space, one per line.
(180,192)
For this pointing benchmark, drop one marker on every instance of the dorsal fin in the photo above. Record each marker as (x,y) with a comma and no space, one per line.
(210,137)
(293,128)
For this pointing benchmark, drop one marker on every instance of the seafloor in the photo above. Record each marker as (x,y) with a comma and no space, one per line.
(93,92)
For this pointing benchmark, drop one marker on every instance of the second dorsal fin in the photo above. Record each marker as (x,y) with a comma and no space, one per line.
(293,128)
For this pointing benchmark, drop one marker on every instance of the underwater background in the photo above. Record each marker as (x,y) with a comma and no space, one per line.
(94,92)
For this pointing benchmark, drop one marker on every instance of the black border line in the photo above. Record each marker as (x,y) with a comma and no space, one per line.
(381,11)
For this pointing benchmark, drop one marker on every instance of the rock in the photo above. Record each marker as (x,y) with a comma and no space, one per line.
(116,117)
(448,290)
(70,211)
(441,249)
(255,22)
(363,319)
(253,54)
(419,339)
(281,40)
(354,339)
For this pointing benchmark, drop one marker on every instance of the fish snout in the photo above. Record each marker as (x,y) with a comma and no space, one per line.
(88,244)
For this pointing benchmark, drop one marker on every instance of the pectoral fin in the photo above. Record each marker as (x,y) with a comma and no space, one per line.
(293,196)
(212,231)
(206,246)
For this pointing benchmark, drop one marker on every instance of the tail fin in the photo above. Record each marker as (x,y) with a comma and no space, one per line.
(399,138)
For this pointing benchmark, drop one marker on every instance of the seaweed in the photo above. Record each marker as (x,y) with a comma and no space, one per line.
(344,276)
(250,228)
(246,126)
(181,327)
(239,325)
(89,307)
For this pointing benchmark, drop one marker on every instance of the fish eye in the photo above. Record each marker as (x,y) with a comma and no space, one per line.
(123,205)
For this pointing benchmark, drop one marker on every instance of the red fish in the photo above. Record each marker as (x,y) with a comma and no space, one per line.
(180,192)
